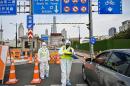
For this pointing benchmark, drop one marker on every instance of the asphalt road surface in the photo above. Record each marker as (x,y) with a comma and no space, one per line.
(25,74)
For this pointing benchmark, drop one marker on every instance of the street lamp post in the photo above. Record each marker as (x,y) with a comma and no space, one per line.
(79,34)
(15,33)
(79,31)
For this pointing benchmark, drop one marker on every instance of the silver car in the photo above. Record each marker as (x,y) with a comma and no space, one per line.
(109,68)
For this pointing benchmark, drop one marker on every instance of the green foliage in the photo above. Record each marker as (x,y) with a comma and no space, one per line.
(104,45)
(122,35)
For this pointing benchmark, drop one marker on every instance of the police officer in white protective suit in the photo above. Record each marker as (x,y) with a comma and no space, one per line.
(43,57)
(66,52)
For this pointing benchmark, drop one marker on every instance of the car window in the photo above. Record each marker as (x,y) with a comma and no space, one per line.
(119,62)
(128,71)
(101,58)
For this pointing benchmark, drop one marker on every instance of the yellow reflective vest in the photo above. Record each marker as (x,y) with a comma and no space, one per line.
(66,53)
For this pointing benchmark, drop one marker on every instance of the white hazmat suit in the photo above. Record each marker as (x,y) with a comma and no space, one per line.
(43,57)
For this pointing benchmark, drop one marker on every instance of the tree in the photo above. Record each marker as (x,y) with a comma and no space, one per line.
(122,35)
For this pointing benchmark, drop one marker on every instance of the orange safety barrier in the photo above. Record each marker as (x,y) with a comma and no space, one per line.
(36,78)
(54,58)
(12,75)
(30,58)
(57,59)
(11,55)
(26,53)
(3,60)
(15,53)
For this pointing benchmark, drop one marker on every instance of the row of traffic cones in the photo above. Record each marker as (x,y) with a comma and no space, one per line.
(12,75)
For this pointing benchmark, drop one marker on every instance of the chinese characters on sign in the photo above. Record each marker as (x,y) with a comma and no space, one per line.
(46,6)
(109,6)
(8,7)
(30,21)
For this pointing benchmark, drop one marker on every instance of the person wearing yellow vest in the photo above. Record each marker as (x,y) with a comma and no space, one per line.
(66,52)
(43,57)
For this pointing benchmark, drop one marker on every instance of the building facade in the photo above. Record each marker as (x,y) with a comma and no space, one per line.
(112,31)
(125,25)
(56,39)
(26,45)
(102,37)
(1,34)
(54,28)
(64,33)
(20,30)
(46,32)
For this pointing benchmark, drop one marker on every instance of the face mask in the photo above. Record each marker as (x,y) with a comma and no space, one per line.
(67,46)
(43,46)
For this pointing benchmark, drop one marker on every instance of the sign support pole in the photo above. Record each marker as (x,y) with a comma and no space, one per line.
(91,29)
(31,40)
(16,35)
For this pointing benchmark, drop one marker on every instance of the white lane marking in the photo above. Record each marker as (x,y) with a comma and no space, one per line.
(29,85)
(81,85)
(77,61)
(76,85)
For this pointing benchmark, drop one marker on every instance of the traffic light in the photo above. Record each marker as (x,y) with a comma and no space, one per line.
(88,26)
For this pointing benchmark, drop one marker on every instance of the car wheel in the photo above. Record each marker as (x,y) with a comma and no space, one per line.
(84,76)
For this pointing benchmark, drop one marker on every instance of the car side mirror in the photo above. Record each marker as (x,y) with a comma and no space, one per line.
(88,59)
(99,60)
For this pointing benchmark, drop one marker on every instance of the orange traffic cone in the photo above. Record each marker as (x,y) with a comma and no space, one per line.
(12,75)
(36,79)
(30,58)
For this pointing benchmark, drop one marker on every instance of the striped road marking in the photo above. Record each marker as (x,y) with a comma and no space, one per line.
(77,61)
(81,85)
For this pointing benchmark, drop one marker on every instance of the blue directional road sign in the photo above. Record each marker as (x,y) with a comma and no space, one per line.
(8,7)
(92,40)
(110,6)
(30,21)
(46,6)
(75,6)
(44,37)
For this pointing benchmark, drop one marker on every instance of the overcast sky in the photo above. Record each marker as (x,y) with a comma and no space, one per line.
(101,23)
